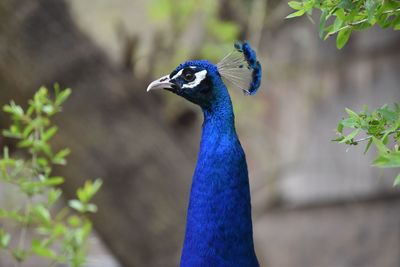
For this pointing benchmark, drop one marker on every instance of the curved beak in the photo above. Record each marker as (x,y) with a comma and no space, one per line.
(162,83)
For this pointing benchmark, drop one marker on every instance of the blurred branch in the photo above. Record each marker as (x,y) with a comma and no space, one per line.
(256,21)
(130,43)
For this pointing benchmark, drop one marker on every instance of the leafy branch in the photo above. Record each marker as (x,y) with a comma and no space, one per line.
(348,15)
(381,128)
(60,237)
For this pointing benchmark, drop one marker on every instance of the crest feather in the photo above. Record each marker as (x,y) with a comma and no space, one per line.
(241,68)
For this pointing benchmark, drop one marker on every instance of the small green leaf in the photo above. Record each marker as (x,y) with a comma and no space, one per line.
(342,37)
(74,221)
(52,181)
(336,25)
(322,22)
(48,109)
(352,113)
(41,250)
(339,128)
(76,205)
(296,5)
(388,114)
(19,254)
(49,133)
(63,153)
(397,180)
(350,123)
(338,139)
(346,4)
(380,146)
(370,6)
(4,239)
(62,96)
(298,13)
(86,193)
(350,136)
(396,23)
(368,146)
(91,208)
(53,196)
(42,213)
(390,160)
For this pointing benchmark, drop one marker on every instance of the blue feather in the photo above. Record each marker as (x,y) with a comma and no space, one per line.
(219,229)
(219,226)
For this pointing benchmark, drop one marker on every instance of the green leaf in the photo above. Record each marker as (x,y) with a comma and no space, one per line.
(53,196)
(14,109)
(397,180)
(336,25)
(59,158)
(350,136)
(86,193)
(19,254)
(322,22)
(49,133)
(391,160)
(62,96)
(48,109)
(53,181)
(382,149)
(346,4)
(370,6)
(368,146)
(342,37)
(91,208)
(74,221)
(42,213)
(41,250)
(296,5)
(350,123)
(388,114)
(76,205)
(396,23)
(298,13)
(12,215)
(4,239)
(339,128)
(352,113)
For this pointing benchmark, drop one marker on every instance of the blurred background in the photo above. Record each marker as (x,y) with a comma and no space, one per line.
(315,203)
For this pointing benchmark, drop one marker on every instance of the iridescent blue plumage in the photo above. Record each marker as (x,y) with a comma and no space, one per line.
(219,226)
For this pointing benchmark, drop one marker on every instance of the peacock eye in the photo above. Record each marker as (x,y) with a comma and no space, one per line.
(188,75)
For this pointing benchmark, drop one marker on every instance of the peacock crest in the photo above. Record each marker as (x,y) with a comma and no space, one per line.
(241,68)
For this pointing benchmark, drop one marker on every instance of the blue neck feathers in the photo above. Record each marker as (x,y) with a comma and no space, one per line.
(219,227)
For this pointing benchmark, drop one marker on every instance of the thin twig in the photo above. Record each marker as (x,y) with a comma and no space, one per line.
(351,24)
(370,136)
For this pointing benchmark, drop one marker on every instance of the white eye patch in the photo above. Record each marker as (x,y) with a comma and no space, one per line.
(179,73)
(200,76)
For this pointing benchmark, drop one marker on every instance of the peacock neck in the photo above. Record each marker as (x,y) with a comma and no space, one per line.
(219,227)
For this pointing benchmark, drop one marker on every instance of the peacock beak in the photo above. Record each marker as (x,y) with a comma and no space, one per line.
(162,83)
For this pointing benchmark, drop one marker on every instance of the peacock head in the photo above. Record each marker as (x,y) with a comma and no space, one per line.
(200,81)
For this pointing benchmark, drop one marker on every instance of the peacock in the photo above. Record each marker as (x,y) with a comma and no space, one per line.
(219,226)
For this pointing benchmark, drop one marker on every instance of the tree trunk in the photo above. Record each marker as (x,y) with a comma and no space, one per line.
(110,124)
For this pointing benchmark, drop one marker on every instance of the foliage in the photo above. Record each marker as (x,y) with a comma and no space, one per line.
(381,128)
(342,17)
(58,237)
